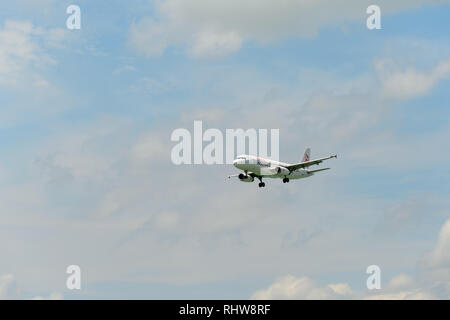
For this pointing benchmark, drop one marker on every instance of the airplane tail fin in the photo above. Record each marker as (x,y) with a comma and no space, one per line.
(306,156)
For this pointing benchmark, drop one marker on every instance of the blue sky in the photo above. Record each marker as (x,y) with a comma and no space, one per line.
(86,177)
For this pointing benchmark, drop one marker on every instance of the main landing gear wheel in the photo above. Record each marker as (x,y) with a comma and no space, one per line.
(261,183)
(285,180)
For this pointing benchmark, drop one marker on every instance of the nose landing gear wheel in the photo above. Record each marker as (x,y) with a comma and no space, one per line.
(285,180)
(261,184)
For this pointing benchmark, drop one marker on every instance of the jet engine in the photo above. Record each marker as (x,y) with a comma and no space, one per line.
(282,171)
(245,178)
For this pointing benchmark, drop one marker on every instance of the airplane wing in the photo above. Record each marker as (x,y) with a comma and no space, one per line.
(305,164)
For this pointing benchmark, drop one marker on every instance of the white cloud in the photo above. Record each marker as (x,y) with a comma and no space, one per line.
(291,287)
(8,287)
(56,37)
(213,44)
(436,263)
(17,50)
(341,289)
(149,37)
(151,147)
(407,82)
(52,296)
(126,68)
(167,220)
(23,53)
(400,281)
(440,256)
(9,290)
(433,281)
(400,287)
(216,28)
(403,295)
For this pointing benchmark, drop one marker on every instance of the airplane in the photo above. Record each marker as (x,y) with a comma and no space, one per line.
(255,167)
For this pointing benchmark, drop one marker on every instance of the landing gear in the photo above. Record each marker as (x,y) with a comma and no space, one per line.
(285,180)
(261,184)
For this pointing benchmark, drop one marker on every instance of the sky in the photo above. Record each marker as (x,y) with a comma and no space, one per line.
(86,176)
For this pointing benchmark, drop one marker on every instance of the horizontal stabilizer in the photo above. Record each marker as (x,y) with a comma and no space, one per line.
(313,171)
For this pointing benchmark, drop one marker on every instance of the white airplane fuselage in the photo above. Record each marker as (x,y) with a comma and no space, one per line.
(265,168)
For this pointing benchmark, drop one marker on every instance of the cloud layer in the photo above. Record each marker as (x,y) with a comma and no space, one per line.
(434,282)
(94,186)
(217,28)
